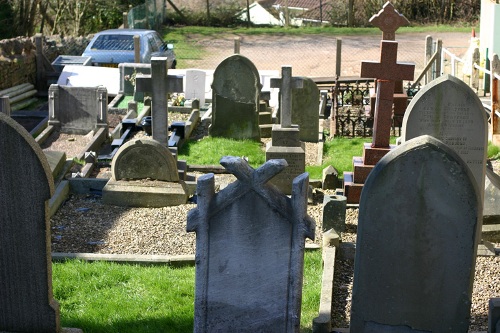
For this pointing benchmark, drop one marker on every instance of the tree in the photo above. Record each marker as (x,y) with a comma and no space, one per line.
(25,16)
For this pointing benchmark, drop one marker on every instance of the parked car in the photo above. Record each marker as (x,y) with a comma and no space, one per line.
(111,47)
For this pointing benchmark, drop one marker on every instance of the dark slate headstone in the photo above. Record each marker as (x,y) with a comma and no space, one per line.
(449,110)
(305,110)
(249,251)
(416,243)
(78,110)
(235,99)
(26,185)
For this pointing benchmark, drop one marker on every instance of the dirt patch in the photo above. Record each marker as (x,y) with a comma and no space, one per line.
(315,55)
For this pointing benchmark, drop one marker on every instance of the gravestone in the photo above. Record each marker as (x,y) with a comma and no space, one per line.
(305,110)
(285,137)
(387,72)
(449,110)
(249,251)
(195,85)
(388,19)
(128,73)
(159,84)
(26,185)
(144,174)
(78,110)
(415,254)
(235,99)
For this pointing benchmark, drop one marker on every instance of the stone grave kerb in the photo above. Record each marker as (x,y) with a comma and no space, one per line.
(159,84)
(387,71)
(203,220)
(388,19)
(26,300)
(285,84)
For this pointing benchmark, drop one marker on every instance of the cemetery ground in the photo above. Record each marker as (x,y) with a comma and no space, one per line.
(84,224)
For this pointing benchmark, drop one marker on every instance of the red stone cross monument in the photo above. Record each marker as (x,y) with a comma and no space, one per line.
(388,20)
(387,71)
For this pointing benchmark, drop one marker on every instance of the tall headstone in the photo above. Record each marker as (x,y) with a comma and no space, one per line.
(78,110)
(449,110)
(159,84)
(388,20)
(305,110)
(387,72)
(195,85)
(414,265)
(249,251)
(26,185)
(235,99)
(285,137)
(144,174)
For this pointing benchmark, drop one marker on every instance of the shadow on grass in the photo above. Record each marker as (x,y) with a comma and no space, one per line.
(151,325)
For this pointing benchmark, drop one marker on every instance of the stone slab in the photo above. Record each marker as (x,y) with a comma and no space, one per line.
(415,256)
(144,193)
(56,160)
(296,159)
(352,191)
(449,110)
(361,170)
(371,155)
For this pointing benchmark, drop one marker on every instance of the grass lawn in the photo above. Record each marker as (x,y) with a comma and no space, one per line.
(107,297)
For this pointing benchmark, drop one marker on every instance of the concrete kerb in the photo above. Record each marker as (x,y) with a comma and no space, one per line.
(323,323)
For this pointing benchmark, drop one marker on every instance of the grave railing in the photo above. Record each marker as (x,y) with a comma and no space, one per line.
(351,107)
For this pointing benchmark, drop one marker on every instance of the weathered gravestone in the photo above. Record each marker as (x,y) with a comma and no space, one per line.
(415,254)
(449,110)
(285,142)
(78,110)
(144,174)
(249,251)
(305,110)
(159,84)
(235,99)
(195,85)
(26,185)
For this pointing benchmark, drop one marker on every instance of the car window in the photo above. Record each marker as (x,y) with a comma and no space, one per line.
(114,42)
(156,41)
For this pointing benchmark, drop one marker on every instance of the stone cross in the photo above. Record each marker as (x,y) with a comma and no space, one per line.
(388,20)
(387,71)
(285,84)
(159,84)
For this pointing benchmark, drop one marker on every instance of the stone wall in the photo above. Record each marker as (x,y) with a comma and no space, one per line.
(18,56)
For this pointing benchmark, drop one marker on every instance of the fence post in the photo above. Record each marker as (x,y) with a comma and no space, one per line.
(350,14)
(427,57)
(495,70)
(125,20)
(475,71)
(137,49)
(40,71)
(338,59)
(237,43)
(439,59)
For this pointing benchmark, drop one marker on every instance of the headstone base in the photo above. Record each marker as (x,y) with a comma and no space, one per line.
(296,159)
(144,193)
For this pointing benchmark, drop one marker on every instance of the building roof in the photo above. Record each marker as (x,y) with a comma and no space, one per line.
(305,4)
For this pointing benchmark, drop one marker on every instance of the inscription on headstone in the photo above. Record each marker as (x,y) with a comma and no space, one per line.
(450,111)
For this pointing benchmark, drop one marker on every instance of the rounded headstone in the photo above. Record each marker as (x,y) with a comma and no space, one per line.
(143,159)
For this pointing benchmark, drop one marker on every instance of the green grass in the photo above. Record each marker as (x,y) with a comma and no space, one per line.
(493,151)
(209,150)
(106,297)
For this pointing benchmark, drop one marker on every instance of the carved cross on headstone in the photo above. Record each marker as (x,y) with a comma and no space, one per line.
(285,84)
(387,71)
(388,20)
(159,84)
